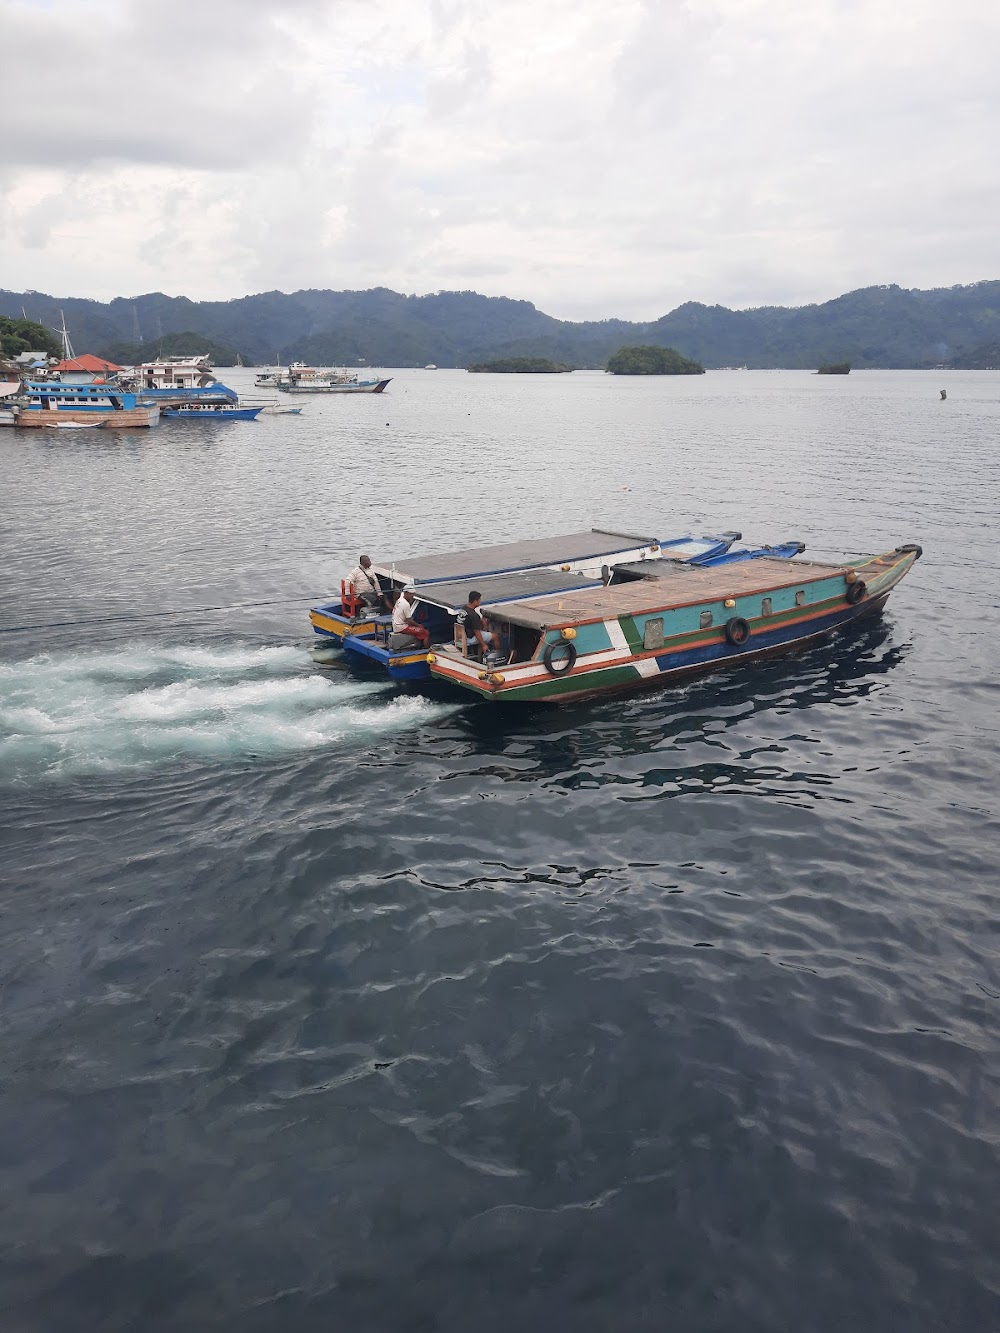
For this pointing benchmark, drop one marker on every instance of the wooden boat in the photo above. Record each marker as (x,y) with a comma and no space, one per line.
(577,552)
(441,605)
(74,425)
(656,630)
(44,403)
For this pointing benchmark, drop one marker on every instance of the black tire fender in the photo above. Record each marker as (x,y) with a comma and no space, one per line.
(559,666)
(855,592)
(737,631)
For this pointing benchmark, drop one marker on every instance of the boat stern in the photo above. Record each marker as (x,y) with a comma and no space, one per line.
(330,623)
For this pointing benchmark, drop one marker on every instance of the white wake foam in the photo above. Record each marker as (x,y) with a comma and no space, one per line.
(143,705)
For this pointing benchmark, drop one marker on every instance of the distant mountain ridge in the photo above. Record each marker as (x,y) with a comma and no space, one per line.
(890,326)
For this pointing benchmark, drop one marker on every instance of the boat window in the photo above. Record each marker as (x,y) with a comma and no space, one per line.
(765,606)
(652,634)
(800,597)
(706,619)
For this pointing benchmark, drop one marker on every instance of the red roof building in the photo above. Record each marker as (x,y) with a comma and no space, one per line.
(90,365)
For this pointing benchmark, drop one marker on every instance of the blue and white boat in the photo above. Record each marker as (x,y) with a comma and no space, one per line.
(48,402)
(179,379)
(209,393)
(210,411)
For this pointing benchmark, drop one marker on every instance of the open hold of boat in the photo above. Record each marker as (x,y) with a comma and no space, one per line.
(655,631)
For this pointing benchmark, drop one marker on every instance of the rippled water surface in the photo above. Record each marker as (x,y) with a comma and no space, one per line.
(331,1006)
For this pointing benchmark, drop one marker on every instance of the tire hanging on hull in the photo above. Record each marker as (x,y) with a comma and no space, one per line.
(737,631)
(559,666)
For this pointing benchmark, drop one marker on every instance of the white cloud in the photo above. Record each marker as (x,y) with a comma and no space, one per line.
(598,160)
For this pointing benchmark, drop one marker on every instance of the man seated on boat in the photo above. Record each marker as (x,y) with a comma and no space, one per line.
(365,583)
(471,619)
(407,632)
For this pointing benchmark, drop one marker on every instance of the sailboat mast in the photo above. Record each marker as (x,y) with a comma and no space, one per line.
(68,353)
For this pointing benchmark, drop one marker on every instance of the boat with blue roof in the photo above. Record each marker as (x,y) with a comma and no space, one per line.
(47,402)
(177,381)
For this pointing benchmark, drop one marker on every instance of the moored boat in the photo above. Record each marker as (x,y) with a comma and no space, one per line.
(176,372)
(210,411)
(74,425)
(653,631)
(176,380)
(45,403)
(270,407)
(309,379)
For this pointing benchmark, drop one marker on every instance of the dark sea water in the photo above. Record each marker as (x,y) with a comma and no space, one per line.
(329,1007)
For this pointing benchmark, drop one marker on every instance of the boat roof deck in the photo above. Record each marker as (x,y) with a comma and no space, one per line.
(498,588)
(659,568)
(650,595)
(477,562)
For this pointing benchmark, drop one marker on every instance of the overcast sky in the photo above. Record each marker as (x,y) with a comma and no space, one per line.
(597,157)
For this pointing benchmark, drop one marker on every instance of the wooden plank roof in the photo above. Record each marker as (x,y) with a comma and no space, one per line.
(762,575)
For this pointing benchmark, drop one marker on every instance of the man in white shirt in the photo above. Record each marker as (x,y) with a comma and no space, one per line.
(404,624)
(366,586)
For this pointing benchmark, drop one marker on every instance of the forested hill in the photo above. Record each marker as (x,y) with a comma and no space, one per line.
(875,326)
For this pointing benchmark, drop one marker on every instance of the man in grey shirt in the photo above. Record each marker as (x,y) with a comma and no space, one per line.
(367,588)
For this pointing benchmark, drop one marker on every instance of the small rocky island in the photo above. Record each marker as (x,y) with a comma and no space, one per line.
(652,361)
(520,365)
(836,368)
